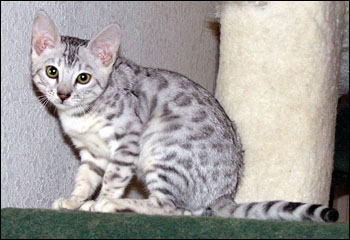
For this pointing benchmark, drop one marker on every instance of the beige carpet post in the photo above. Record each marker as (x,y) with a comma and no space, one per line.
(277,81)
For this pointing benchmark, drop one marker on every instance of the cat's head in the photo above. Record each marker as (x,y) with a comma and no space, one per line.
(71,72)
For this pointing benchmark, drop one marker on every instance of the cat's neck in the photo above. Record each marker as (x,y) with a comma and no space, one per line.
(75,112)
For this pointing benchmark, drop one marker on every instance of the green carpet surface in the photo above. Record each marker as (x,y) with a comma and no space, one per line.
(39,223)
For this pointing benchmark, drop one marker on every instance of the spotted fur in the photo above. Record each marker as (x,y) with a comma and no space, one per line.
(156,124)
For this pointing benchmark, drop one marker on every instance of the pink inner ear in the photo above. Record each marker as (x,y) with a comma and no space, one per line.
(42,43)
(103,54)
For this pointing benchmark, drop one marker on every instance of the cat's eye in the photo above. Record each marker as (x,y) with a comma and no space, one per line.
(51,72)
(83,78)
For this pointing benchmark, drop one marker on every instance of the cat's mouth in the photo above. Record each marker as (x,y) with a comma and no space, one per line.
(71,106)
(62,104)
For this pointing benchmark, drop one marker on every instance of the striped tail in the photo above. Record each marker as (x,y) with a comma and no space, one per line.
(278,210)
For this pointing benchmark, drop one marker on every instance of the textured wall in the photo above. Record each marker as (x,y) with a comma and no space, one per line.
(37,166)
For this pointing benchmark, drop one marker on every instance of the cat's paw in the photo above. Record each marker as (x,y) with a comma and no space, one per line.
(104,205)
(67,204)
(88,206)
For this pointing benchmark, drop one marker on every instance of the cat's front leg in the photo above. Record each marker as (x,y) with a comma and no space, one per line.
(124,154)
(115,180)
(140,206)
(120,169)
(89,176)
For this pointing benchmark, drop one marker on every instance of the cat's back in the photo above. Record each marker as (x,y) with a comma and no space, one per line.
(165,90)
(163,96)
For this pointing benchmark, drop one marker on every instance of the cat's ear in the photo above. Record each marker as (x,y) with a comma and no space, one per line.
(44,33)
(106,44)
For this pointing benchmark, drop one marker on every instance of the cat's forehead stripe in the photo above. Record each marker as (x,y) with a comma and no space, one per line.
(72,48)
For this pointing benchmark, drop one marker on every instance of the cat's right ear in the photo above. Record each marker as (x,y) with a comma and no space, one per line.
(44,33)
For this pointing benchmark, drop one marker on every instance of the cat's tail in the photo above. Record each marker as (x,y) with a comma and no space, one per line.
(279,210)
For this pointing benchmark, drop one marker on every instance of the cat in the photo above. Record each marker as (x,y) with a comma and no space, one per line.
(128,120)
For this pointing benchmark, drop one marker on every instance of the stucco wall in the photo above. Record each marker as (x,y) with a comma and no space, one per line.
(37,166)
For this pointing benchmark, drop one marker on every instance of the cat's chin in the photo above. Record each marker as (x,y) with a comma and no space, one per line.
(66,108)
(71,110)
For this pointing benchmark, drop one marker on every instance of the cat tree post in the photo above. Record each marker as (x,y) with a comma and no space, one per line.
(277,81)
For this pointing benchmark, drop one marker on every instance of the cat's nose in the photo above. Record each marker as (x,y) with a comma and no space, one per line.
(63,96)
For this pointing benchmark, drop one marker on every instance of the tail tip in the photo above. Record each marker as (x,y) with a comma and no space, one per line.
(330,215)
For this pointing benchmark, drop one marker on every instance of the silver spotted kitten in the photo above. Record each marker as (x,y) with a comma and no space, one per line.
(128,120)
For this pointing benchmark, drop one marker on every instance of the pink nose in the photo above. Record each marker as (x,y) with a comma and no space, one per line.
(63,96)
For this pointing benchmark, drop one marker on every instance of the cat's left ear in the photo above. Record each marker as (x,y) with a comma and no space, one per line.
(44,33)
(106,44)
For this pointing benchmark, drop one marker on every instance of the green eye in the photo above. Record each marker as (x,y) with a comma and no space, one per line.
(83,78)
(51,72)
